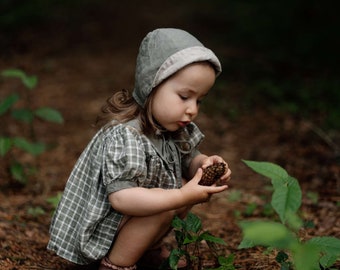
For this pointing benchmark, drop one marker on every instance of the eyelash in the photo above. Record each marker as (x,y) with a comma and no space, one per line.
(185,98)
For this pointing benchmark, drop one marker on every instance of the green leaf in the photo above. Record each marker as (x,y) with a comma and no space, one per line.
(306,256)
(267,169)
(226,261)
(328,260)
(18,173)
(174,257)
(179,235)
(268,234)
(177,223)
(246,243)
(5,145)
(7,103)
(327,244)
(251,207)
(210,238)
(49,114)
(234,195)
(32,148)
(193,223)
(294,221)
(35,211)
(330,248)
(54,201)
(29,81)
(287,193)
(24,115)
(313,196)
(190,239)
(286,266)
(286,196)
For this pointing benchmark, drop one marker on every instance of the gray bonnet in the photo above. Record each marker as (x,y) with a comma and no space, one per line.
(162,53)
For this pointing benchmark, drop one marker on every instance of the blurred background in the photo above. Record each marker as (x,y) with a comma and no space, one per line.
(279,53)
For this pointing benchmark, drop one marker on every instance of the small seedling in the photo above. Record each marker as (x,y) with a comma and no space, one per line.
(26,114)
(35,211)
(189,235)
(313,196)
(234,195)
(226,263)
(54,200)
(286,200)
(250,209)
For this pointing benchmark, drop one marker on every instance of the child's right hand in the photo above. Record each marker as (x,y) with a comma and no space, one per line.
(195,193)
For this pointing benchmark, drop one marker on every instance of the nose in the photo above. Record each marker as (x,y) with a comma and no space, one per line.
(192,109)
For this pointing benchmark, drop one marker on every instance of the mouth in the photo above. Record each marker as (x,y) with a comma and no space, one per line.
(183,123)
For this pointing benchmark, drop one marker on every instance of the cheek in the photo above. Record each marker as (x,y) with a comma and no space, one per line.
(158,108)
(164,108)
(163,101)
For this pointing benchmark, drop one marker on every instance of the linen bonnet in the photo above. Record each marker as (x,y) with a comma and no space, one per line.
(162,53)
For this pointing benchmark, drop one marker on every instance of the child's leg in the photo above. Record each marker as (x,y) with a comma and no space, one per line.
(138,234)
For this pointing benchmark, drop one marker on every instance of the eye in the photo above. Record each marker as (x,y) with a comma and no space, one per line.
(183,97)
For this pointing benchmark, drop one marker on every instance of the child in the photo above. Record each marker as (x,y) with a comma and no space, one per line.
(130,181)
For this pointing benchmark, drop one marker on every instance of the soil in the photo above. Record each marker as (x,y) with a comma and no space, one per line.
(78,70)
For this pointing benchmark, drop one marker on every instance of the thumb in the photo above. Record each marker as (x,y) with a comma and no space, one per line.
(197,177)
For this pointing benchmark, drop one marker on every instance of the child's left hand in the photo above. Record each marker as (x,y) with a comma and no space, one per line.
(210,160)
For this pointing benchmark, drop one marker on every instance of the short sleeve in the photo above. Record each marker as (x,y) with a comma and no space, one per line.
(123,159)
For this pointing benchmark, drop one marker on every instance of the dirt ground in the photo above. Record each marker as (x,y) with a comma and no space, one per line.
(78,71)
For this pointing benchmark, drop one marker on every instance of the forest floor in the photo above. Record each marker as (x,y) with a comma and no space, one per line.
(77,79)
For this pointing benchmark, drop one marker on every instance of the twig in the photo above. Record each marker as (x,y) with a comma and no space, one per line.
(325,137)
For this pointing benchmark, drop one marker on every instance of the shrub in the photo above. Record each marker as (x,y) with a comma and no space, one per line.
(21,140)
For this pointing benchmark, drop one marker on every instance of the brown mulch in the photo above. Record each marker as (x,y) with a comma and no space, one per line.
(76,76)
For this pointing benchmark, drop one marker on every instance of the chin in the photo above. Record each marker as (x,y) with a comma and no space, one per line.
(172,128)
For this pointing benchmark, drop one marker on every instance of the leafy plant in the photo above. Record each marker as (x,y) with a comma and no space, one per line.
(26,114)
(250,208)
(54,200)
(189,235)
(286,200)
(226,263)
(35,211)
(313,196)
(234,195)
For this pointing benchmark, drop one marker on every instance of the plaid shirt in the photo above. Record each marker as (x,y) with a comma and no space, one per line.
(84,225)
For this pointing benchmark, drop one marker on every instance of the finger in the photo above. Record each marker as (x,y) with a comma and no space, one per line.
(212,160)
(217,189)
(227,175)
(197,177)
(207,164)
(216,158)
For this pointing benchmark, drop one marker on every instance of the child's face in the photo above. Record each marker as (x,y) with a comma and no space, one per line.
(176,101)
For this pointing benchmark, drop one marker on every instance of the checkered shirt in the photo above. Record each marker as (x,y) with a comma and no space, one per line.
(84,225)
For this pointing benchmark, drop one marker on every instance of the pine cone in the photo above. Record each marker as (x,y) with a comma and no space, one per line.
(212,173)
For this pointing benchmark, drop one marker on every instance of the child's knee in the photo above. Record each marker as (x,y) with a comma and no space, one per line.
(167,217)
(182,212)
